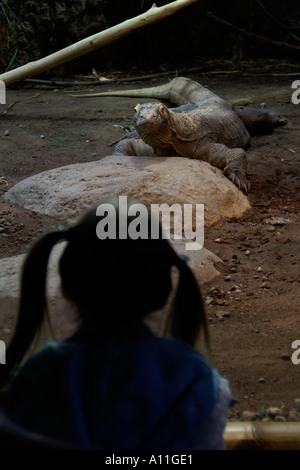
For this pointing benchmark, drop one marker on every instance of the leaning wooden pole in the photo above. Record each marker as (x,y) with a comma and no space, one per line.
(93,42)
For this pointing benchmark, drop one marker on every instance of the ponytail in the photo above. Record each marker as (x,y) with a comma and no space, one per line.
(33,305)
(188,318)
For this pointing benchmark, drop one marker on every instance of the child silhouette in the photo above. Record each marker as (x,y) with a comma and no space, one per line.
(114,384)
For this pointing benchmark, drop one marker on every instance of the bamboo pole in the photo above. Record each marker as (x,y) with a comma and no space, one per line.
(93,42)
(262,436)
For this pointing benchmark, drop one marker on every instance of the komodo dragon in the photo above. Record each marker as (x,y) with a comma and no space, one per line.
(204,127)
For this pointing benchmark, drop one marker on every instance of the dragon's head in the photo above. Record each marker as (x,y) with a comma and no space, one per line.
(151,121)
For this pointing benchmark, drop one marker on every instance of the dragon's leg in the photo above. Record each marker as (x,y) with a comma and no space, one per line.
(133,148)
(233,162)
(236,168)
(259,121)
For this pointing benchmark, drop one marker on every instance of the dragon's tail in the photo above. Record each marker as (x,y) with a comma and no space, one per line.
(180,90)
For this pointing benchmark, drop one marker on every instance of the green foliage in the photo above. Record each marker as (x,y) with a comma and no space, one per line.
(7,21)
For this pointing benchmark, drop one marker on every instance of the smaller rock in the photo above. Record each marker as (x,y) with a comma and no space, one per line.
(248,416)
(247,252)
(271,228)
(293,415)
(262,411)
(6,132)
(233,270)
(280,419)
(279,221)
(227,278)
(209,301)
(221,315)
(285,356)
(273,411)
(297,404)
(261,380)
(266,285)
(259,269)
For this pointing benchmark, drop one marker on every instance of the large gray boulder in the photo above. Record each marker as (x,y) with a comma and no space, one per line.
(67,191)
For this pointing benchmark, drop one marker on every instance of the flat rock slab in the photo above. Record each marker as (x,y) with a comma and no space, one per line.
(67,191)
(11,268)
(60,309)
(203,263)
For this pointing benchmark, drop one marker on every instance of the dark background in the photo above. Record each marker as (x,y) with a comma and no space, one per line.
(189,37)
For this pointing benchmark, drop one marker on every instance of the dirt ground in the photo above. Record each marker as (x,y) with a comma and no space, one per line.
(254,314)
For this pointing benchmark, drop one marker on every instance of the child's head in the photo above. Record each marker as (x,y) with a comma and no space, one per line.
(114,282)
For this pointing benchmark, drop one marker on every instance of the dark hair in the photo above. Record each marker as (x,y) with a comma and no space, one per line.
(113,282)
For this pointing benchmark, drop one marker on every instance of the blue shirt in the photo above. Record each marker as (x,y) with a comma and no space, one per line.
(137,392)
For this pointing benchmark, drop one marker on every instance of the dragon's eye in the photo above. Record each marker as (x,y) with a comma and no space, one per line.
(160,109)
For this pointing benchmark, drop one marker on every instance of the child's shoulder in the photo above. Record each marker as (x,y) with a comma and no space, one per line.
(181,353)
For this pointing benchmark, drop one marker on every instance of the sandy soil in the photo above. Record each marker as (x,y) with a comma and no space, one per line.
(252,327)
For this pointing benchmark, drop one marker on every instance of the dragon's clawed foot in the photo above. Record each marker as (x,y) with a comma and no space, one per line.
(237,178)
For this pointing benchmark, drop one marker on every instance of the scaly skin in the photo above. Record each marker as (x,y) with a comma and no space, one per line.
(210,129)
